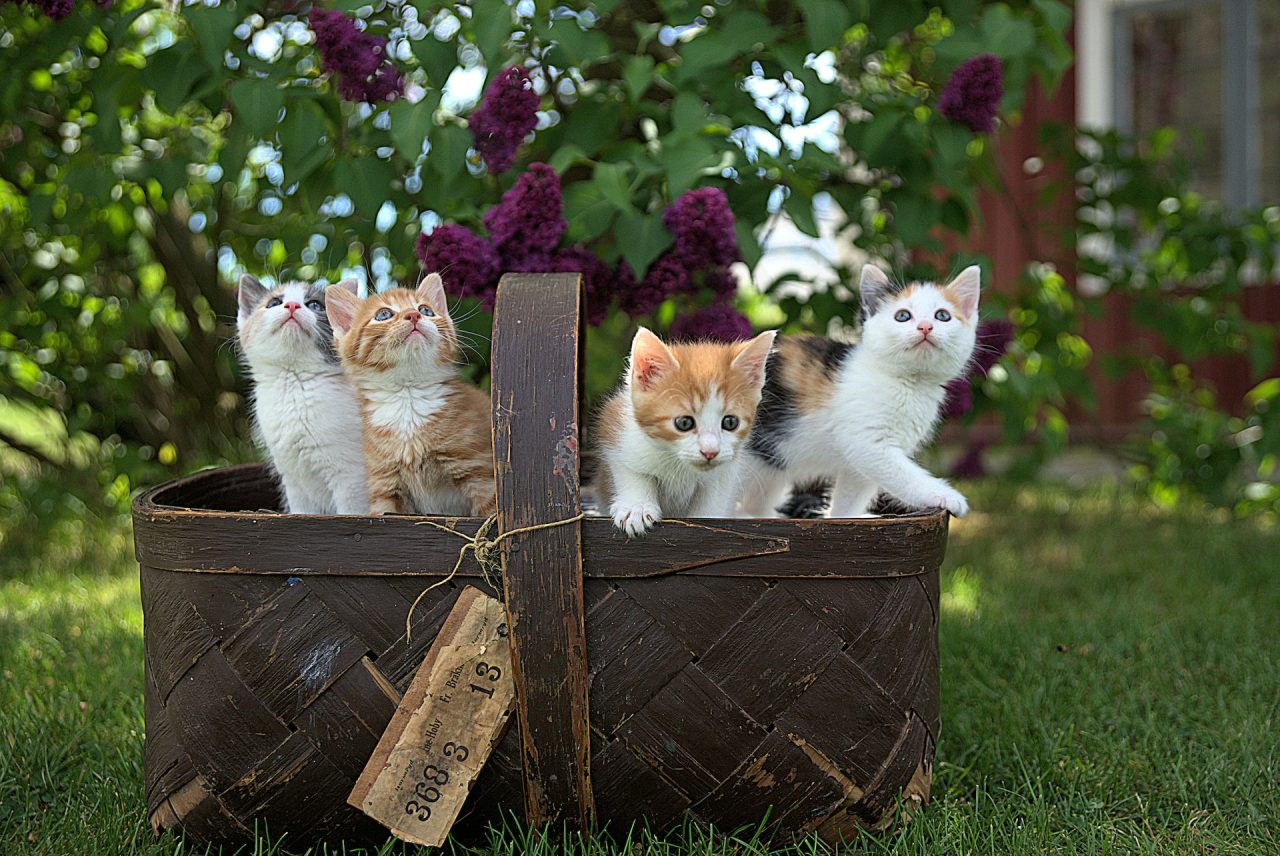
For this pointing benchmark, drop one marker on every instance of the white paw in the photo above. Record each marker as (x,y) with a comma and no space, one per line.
(952,500)
(635,519)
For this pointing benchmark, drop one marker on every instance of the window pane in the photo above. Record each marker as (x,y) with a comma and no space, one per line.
(1177,82)
(1268,40)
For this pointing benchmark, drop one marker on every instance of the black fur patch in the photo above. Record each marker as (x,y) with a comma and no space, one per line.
(777,412)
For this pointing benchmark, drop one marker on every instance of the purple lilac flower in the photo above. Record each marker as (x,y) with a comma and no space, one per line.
(665,277)
(527,224)
(506,115)
(467,262)
(994,338)
(597,279)
(959,400)
(356,58)
(702,225)
(722,283)
(973,92)
(53,9)
(719,322)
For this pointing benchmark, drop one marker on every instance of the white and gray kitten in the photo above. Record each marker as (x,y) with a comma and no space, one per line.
(305,411)
(858,414)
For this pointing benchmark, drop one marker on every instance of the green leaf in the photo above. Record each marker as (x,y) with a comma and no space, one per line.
(214,27)
(449,146)
(491,22)
(638,74)
(747,243)
(367,181)
(172,74)
(615,188)
(684,158)
(304,139)
(689,112)
(1006,36)
(824,22)
(106,132)
(593,123)
(799,207)
(437,58)
(913,217)
(566,156)
(574,46)
(257,103)
(588,215)
(642,239)
(411,124)
(172,174)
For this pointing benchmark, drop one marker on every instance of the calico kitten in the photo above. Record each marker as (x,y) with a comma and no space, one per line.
(427,434)
(671,436)
(305,412)
(859,413)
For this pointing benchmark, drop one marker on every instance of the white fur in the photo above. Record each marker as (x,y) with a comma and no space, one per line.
(885,406)
(653,478)
(305,413)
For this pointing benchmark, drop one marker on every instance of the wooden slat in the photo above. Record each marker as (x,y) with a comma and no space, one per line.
(229,542)
(535,450)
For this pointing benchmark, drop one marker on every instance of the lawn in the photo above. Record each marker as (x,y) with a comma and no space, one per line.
(1110,683)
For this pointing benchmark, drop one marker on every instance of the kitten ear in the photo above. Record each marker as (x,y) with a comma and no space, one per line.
(874,287)
(431,290)
(350,285)
(964,290)
(754,355)
(248,295)
(341,306)
(650,360)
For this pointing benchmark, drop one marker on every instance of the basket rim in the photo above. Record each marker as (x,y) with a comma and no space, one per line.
(842,548)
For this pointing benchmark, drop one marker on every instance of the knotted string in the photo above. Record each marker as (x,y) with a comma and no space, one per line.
(484,548)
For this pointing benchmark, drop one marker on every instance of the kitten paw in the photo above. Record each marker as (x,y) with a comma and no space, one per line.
(635,519)
(953,501)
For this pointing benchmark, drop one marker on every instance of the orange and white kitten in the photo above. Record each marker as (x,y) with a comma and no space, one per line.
(670,437)
(427,439)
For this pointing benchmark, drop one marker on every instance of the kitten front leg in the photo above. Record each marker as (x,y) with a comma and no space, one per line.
(717,494)
(764,489)
(300,501)
(351,495)
(635,502)
(852,495)
(476,484)
(386,489)
(894,471)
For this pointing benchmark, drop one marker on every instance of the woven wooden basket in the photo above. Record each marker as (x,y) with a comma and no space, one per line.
(736,669)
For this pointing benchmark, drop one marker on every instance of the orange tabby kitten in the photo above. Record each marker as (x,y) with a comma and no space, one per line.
(427,439)
(672,438)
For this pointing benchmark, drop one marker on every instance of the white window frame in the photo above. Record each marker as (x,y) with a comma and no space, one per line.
(1103,74)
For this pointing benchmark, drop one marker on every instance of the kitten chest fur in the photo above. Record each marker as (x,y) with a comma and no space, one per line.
(309,422)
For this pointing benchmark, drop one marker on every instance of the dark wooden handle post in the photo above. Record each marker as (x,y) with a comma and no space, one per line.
(535,450)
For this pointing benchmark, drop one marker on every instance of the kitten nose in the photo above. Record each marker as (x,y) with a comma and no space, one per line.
(293,307)
(924,327)
(710,454)
(412,316)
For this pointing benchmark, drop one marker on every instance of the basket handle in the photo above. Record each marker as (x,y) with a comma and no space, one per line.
(534,377)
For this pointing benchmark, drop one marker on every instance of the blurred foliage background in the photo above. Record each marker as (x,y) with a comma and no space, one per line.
(149,154)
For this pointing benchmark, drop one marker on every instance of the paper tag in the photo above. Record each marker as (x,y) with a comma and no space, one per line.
(445,728)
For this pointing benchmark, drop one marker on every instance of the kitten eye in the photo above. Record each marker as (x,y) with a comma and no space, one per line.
(684,423)
(315,305)
(942,315)
(902,315)
(426,310)
(729,423)
(382,314)
(274,302)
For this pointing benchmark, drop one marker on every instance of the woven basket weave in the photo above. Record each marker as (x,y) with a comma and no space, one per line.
(725,670)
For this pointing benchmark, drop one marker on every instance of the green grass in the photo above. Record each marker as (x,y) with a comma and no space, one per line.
(1110,676)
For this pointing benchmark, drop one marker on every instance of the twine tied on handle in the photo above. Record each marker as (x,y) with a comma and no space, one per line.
(485,549)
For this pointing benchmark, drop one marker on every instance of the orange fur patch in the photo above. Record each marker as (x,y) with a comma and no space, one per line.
(702,367)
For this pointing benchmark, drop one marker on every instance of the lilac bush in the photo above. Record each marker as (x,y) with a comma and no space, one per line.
(973,92)
(719,322)
(466,260)
(357,59)
(506,115)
